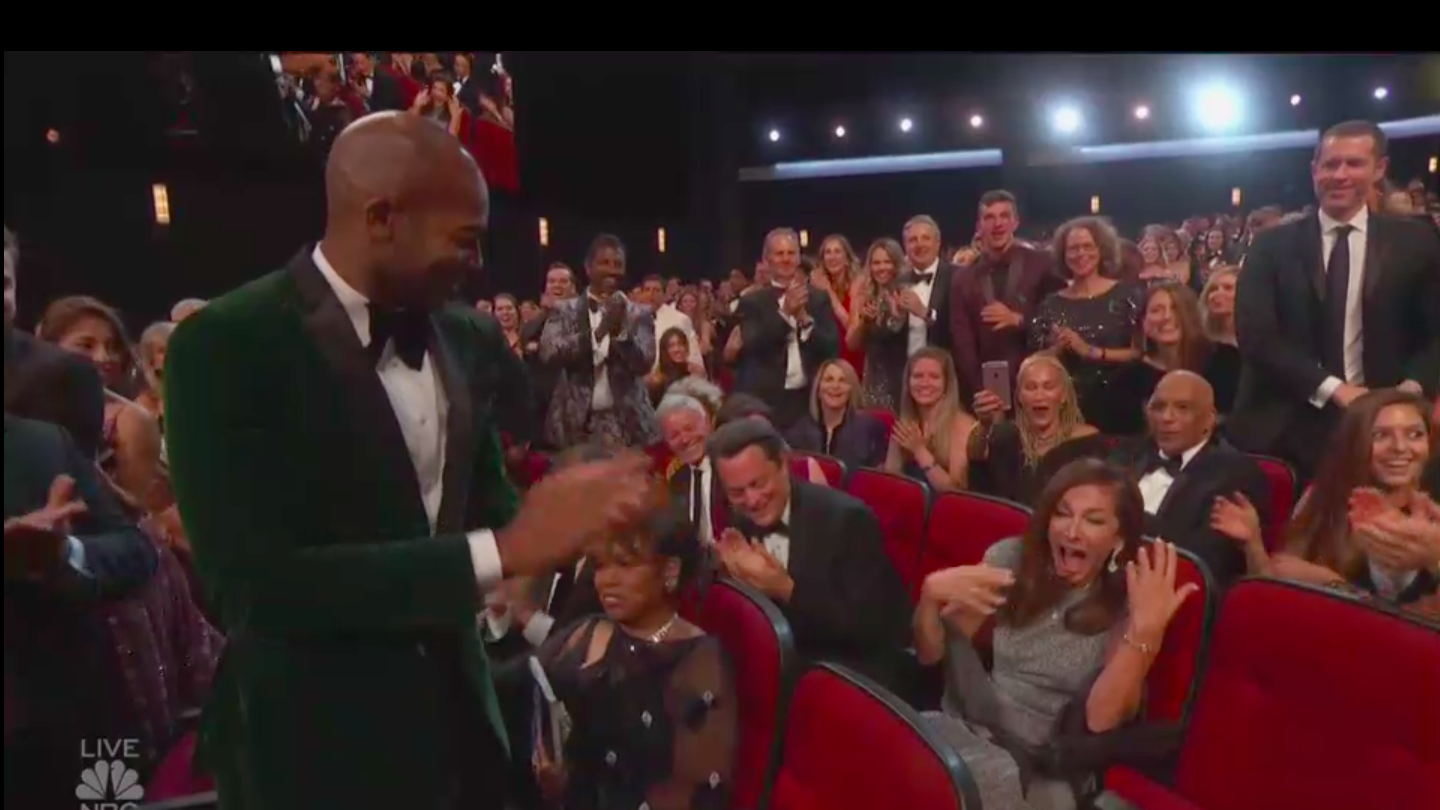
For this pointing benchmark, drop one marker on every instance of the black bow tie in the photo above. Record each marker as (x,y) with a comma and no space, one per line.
(1171,465)
(921,278)
(595,303)
(407,330)
(755,531)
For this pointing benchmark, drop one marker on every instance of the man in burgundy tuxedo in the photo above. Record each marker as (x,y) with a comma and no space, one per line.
(992,299)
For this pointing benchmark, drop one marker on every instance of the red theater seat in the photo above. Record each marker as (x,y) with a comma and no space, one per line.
(962,525)
(1283,486)
(175,777)
(762,649)
(1174,676)
(850,745)
(886,417)
(900,505)
(833,468)
(1312,700)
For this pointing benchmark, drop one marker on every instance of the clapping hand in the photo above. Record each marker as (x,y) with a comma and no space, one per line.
(753,564)
(908,435)
(35,542)
(975,589)
(911,303)
(1236,518)
(1397,541)
(796,299)
(1150,588)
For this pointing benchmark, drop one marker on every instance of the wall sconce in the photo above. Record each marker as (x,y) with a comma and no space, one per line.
(1095,204)
(804,238)
(544,232)
(1433,161)
(161,196)
(660,239)
(1235,196)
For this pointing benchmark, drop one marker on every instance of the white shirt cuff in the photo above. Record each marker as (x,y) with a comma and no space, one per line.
(498,626)
(485,557)
(538,628)
(1326,390)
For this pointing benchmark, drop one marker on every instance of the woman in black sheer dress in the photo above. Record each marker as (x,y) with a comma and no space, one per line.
(650,695)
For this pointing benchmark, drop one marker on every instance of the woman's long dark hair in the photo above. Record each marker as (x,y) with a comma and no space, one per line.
(1320,530)
(1038,589)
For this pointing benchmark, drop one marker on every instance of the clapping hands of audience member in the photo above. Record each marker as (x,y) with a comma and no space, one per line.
(565,510)
(911,303)
(908,435)
(612,318)
(1150,589)
(754,565)
(989,407)
(1236,518)
(1393,539)
(795,301)
(978,590)
(999,317)
(35,542)
(1070,340)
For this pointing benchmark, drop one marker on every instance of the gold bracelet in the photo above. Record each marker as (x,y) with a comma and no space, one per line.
(1145,649)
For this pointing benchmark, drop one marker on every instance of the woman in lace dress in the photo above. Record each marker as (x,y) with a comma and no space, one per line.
(1081,605)
(650,695)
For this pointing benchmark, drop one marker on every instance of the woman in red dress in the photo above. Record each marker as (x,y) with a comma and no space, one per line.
(838,271)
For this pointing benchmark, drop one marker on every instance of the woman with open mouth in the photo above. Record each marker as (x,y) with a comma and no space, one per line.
(1366,523)
(650,695)
(1080,606)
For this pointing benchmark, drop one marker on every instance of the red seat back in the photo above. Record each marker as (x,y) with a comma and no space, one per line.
(850,745)
(833,468)
(176,775)
(1173,676)
(1283,486)
(961,526)
(761,648)
(900,505)
(1315,700)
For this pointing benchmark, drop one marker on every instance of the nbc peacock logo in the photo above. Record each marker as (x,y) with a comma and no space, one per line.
(109,786)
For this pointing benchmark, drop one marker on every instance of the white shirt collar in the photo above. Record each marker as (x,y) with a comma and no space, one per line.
(1189,455)
(1359,222)
(355,304)
(933,266)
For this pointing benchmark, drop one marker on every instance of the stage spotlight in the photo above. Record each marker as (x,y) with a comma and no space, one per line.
(1066,120)
(840,132)
(977,121)
(906,125)
(1218,108)
(1142,112)
(774,135)
(1382,93)
(1295,100)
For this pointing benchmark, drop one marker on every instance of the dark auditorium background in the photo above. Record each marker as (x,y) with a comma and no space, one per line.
(634,142)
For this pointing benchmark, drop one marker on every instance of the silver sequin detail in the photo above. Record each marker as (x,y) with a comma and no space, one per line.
(646,718)
(610,758)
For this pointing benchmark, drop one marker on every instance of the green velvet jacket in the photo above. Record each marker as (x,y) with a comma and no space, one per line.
(352,628)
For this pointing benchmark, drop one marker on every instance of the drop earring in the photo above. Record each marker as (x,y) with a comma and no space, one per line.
(1114,564)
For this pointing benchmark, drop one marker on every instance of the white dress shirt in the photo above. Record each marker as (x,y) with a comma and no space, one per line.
(919,333)
(667,317)
(778,544)
(1354,300)
(794,364)
(601,398)
(704,531)
(1155,485)
(418,400)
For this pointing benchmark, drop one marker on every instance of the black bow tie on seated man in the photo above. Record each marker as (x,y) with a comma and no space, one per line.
(408,330)
(1158,461)
(920,278)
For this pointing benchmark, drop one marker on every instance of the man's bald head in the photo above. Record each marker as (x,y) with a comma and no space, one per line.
(406,207)
(1181,412)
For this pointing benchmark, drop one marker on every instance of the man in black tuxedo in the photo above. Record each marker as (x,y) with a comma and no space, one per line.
(816,551)
(927,296)
(1333,305)
(67,547)
(783,333)
(45,382)
(1182,467)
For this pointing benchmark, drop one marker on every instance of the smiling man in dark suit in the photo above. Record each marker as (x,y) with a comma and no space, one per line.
(1333,305)
(816,551)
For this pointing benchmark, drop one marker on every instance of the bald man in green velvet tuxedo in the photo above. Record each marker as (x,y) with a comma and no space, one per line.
(339,474)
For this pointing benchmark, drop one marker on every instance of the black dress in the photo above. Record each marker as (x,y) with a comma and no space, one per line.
(654,723)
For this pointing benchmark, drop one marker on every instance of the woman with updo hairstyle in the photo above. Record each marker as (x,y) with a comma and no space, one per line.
(1090,326)
(1080,603)
(650,695)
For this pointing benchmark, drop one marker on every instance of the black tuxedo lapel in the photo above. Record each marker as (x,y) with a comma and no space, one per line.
(459,434)
(1374,251)
(1187,474)
(803,526)
(334,335)
(1312,256)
